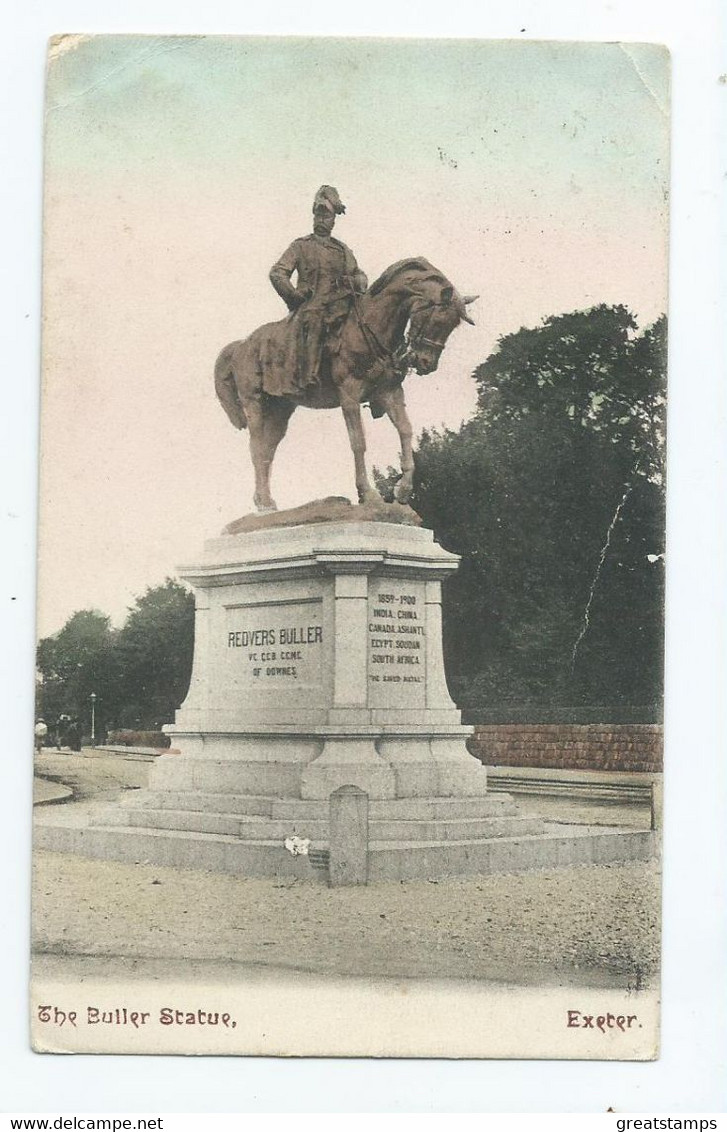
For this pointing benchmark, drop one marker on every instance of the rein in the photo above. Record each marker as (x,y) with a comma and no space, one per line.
(379,352)
(398,357)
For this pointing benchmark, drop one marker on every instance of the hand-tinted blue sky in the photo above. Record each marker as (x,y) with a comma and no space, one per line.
(522,119)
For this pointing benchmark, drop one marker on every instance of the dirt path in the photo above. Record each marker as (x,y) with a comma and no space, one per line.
(93,772)
(46,792)
(596,925)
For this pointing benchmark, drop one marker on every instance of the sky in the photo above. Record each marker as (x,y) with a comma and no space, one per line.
(178,170)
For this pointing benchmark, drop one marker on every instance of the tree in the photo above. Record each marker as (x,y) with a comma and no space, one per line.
(140,673)
(75,662)
(553,495)
(154,652)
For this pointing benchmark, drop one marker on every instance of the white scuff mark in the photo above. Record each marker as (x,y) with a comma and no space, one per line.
(62,44)
(602,558)
(652,558)
(644,82)
(142,57)
(298,846)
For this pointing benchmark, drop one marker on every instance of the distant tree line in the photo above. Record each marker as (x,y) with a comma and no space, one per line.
(139,673)
(552,493)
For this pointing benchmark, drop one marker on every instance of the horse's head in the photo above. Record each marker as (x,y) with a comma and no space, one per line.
(434,315)
(429,304)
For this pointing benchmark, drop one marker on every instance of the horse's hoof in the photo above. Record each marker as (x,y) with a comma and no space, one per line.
(265,508)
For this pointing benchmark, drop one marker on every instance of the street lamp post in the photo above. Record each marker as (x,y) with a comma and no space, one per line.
(93,719)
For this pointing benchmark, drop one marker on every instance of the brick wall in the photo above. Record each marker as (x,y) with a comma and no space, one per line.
(570,746)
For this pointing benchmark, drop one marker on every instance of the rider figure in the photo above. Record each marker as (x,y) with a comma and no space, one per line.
(328,278)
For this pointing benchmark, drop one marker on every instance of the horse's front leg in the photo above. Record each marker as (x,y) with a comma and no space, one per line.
(349,397)
(395,406)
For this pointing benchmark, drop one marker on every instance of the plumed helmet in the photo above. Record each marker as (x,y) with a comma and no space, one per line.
(328,197)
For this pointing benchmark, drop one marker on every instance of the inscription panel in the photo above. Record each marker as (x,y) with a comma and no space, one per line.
(396,643)
(275,645)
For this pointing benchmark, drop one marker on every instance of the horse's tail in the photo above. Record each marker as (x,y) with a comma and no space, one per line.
(226,387)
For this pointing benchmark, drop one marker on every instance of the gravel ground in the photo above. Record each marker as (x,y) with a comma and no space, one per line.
(592,925)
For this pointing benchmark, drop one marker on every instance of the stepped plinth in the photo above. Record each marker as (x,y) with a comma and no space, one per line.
(318,664)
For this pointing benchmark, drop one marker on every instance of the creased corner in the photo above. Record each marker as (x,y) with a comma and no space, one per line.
(59,45)
(631,52)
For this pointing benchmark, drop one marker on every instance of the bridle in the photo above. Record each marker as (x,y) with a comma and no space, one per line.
(419,338)
(398,358)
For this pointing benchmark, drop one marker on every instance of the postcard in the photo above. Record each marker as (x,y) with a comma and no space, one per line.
(349,729)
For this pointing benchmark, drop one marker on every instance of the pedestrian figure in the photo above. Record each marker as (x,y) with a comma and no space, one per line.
(41,733)
(74,735)
(62,731)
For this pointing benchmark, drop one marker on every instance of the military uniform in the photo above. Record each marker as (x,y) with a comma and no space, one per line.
(327,278)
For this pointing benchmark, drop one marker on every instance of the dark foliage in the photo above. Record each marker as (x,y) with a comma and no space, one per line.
(77,661)
(140,673)
(553,495)
(155,655)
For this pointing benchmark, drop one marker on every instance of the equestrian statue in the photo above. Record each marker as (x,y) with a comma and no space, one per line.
(343,344)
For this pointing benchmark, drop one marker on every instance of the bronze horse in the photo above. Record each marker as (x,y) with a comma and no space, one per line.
(373,355)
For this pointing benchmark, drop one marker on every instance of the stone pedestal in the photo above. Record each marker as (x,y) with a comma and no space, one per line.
(318,664)
(318,718)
